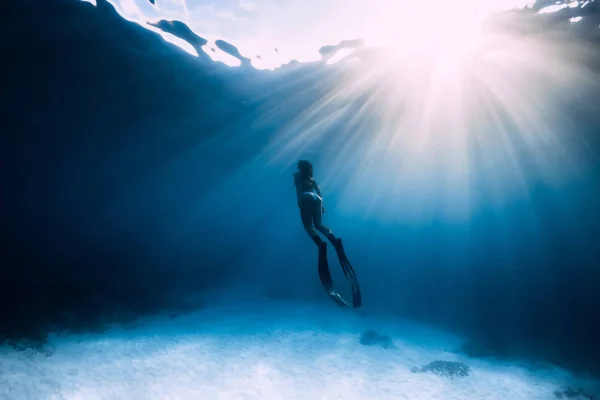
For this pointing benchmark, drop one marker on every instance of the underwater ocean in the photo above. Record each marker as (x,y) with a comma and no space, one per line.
(164,165)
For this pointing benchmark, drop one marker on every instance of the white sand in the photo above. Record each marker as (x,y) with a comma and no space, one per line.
(260,350)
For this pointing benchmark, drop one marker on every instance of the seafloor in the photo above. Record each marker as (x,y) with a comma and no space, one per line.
(252,348)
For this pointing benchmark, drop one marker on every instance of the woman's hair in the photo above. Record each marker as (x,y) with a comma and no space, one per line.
(306,168)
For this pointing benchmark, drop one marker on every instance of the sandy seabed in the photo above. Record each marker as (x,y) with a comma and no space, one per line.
(263,349)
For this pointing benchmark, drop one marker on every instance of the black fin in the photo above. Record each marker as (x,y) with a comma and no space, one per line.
(349,273)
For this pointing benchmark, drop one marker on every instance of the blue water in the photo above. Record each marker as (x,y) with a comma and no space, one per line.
(136,174)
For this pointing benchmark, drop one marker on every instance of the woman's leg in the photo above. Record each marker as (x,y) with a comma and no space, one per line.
(318,221)
(307,216)
(311,211)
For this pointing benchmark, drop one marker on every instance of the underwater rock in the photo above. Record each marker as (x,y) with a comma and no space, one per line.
(447,369)
(372,338)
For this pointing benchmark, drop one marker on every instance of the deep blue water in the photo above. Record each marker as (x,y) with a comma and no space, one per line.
(134,173)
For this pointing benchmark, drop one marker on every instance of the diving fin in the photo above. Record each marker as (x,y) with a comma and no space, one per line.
(324,273)
(349,273)
(325,276)
(356,295)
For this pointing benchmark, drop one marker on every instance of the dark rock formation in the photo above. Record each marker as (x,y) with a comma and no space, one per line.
(372,338)
(447,369)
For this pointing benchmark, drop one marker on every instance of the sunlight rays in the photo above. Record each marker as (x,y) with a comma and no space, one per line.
(413,137)
(437,108)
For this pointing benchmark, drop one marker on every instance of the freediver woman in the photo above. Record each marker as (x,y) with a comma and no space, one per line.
(310,203)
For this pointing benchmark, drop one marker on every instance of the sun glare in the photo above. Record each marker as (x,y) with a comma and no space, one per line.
(445,104)
(433,104)
(409,27)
